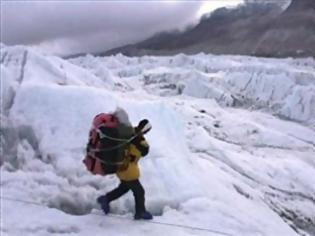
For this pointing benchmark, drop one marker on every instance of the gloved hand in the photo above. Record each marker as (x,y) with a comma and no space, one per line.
(144,126)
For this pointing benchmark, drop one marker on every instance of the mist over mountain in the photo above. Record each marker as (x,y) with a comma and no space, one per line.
(268,29)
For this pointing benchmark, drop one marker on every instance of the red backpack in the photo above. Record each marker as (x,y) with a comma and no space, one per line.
(94,161)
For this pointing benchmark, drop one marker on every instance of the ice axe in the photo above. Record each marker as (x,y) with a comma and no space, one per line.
(143,127)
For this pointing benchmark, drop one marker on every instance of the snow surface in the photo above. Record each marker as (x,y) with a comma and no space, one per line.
(232,144)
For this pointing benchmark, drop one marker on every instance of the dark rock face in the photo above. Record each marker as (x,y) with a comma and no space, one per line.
(253,29)
(292,33)
(300,5)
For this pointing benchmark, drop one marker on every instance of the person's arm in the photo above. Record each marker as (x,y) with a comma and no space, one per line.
(142,145)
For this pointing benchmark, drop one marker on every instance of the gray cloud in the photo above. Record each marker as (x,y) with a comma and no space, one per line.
(88,26)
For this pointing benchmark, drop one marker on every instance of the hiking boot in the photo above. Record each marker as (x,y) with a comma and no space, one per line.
(144,216)
(102,200)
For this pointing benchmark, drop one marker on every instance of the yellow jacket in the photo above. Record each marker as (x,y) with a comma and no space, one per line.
(130,170)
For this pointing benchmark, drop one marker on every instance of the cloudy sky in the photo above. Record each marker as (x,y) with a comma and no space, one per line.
(69,27)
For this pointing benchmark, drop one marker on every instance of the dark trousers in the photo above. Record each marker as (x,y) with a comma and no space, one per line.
(137,190)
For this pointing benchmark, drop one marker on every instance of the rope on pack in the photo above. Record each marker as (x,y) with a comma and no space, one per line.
(124,142)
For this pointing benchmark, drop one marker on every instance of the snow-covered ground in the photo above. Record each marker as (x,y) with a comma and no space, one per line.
(232,144)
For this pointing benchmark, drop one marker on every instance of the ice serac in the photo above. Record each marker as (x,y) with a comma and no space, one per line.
(284,87)
(231,148)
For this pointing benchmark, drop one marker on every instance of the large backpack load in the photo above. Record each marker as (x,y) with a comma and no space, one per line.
(108,144)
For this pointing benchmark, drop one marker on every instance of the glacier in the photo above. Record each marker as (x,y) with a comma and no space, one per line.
(232,144)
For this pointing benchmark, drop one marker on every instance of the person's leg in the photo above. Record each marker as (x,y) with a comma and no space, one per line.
(117,192)
(138,192)
(104,200)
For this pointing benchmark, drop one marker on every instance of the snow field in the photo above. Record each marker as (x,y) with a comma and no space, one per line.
(219,159)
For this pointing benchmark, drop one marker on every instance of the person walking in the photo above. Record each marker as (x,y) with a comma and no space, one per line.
(129,172)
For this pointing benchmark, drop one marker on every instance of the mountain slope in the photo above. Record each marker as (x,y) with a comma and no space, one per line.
(252,29)
(292,33)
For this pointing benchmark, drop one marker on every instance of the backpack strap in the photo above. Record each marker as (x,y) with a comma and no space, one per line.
(102,135)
